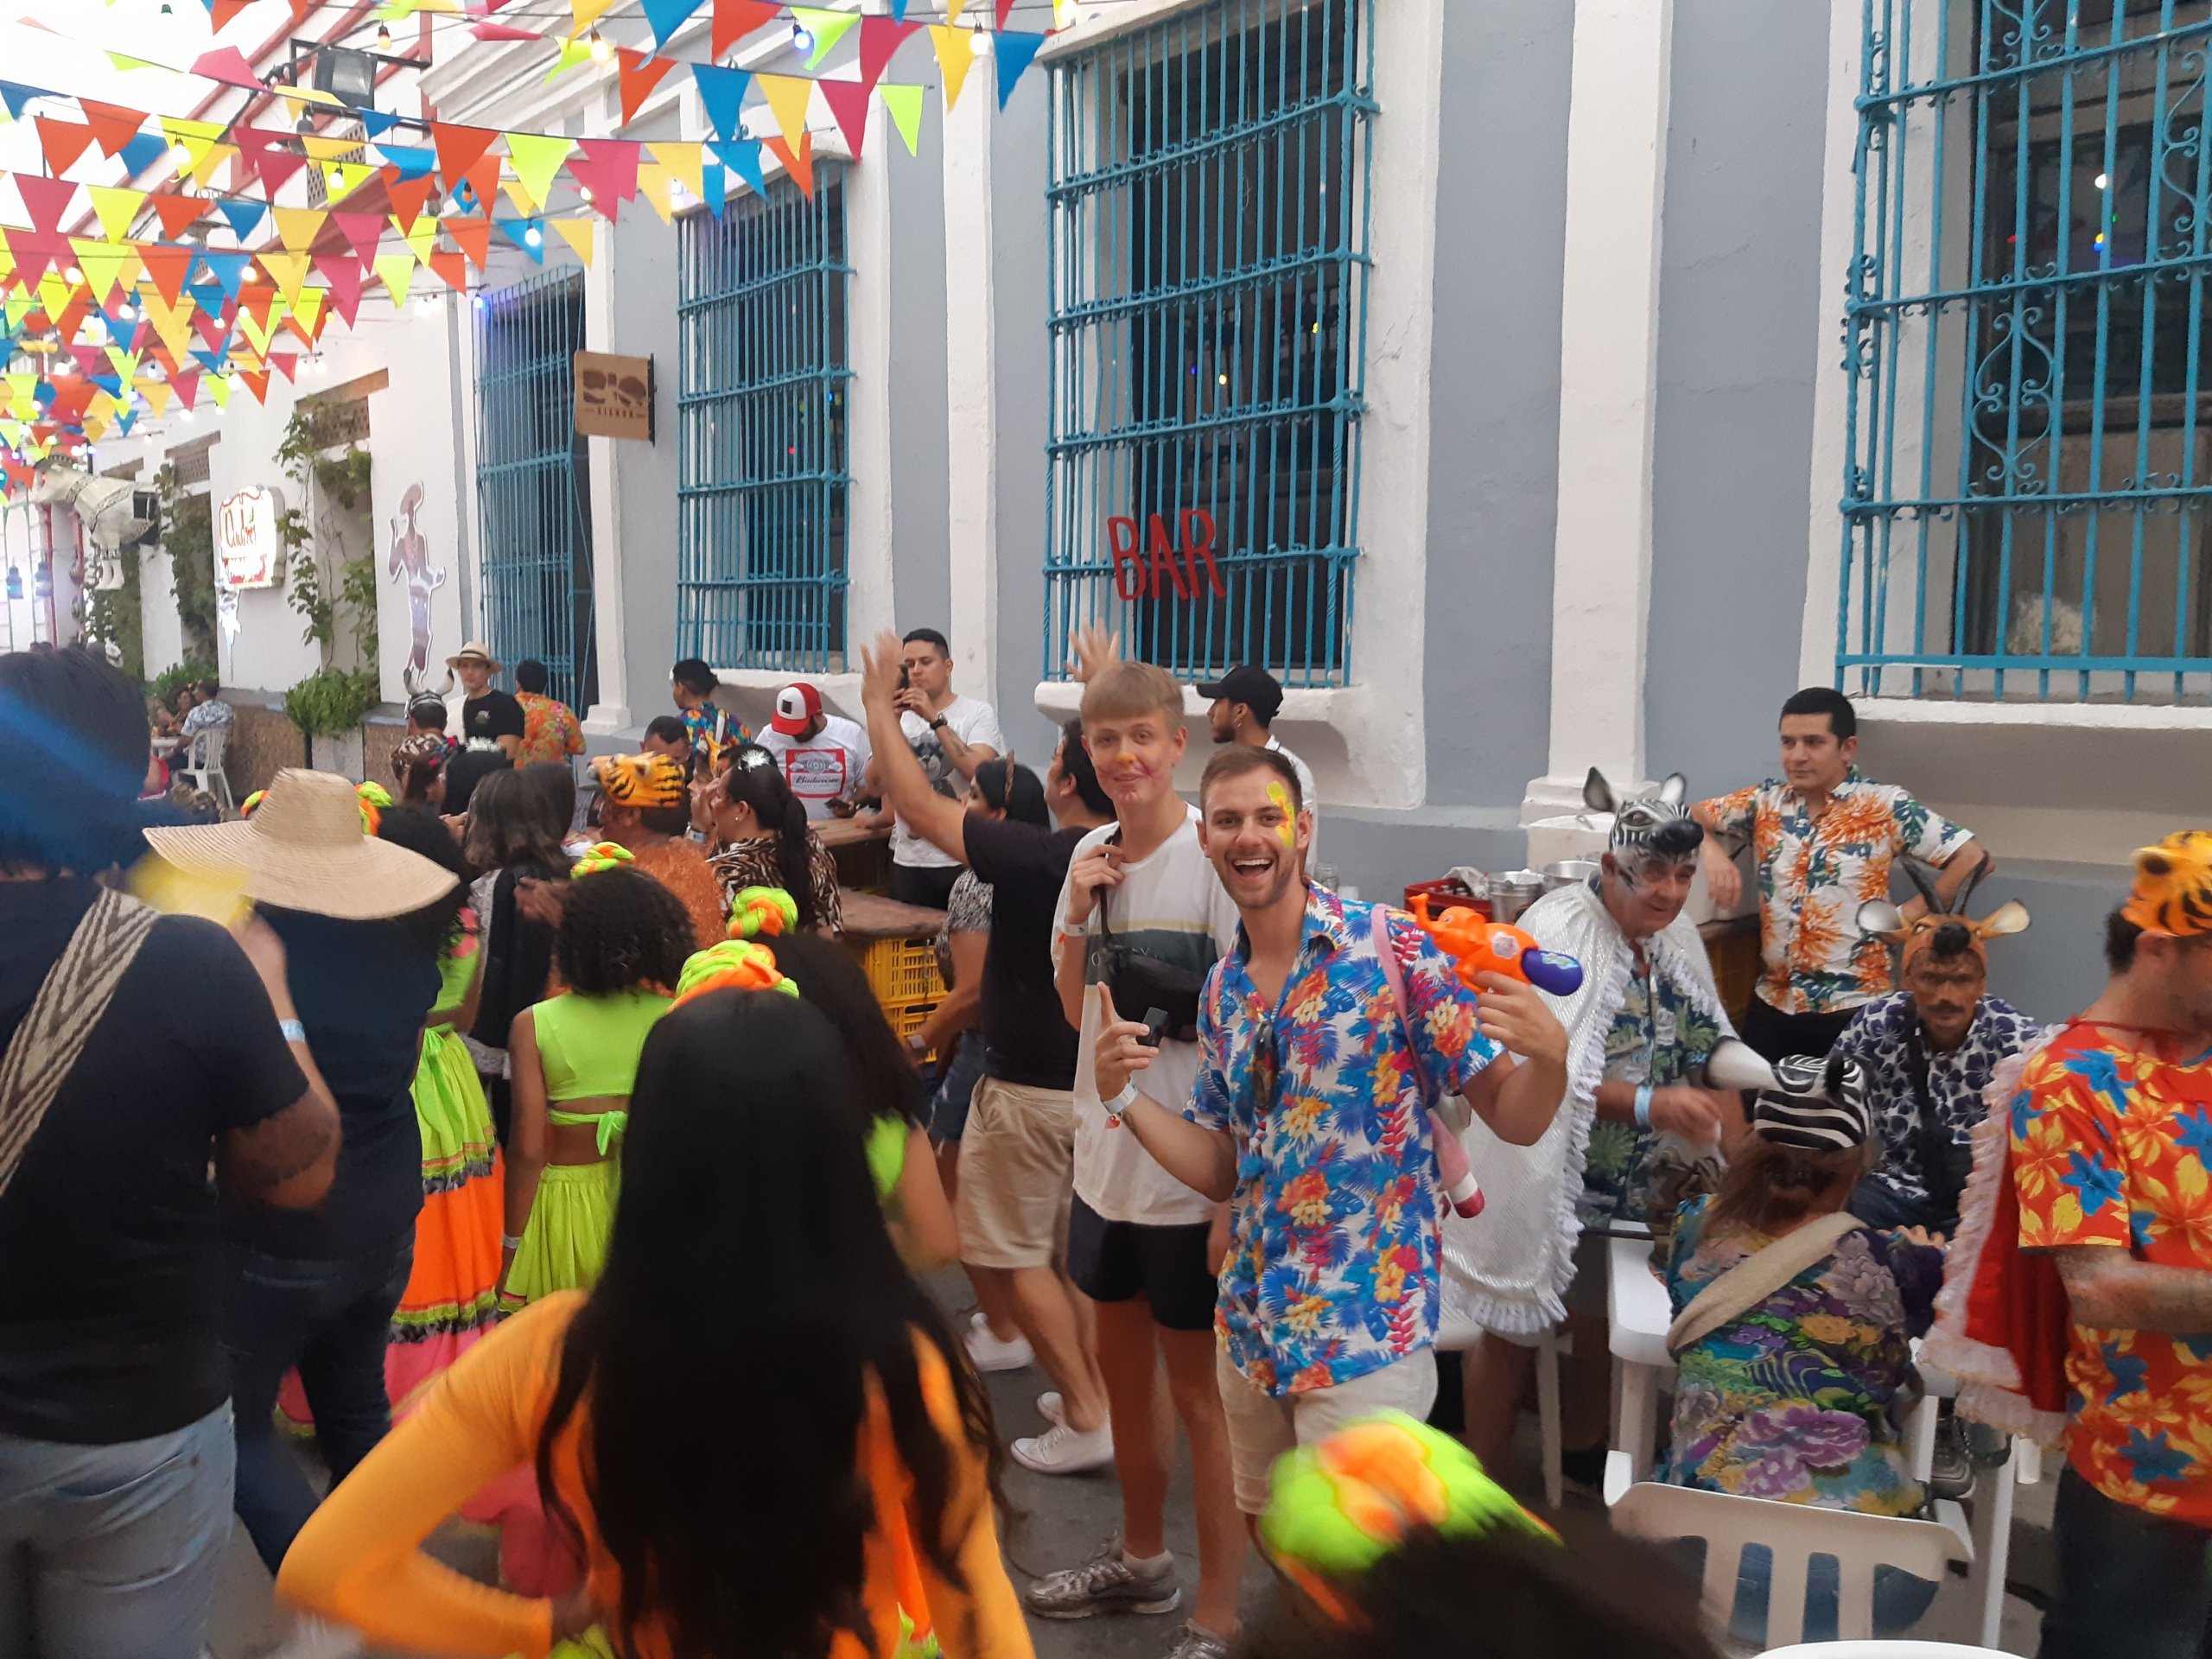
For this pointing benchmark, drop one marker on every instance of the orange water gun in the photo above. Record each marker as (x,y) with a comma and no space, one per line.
(1478,945)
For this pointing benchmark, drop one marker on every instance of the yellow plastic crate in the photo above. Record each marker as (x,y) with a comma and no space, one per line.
(904,971)
(907,1018)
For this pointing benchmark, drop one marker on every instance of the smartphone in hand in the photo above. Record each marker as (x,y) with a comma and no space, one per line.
(1155,1026)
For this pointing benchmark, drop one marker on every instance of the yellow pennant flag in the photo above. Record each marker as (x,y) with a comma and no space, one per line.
(203,170)
(173,323)
(954,59)
(322,147)
(653,182)
(952,10)
(525,204)
(106,267)
(117,208)
(397,272)
(306,306)
(289,272)
(577,233)
(298,227)
(787,96)
(535,157)
(125,363)
(684,162)
(586,12)
(296,96)
(905,104)
(156,394)
(423,239)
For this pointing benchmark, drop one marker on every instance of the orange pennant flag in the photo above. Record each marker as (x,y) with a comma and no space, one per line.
(62,141)
(167,268)
(452,268)
(472,235)
(176,213)
(408,199)
(798,163)
(257,383)
(113,125)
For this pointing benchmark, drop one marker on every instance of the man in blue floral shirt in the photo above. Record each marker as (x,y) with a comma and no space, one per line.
(1308,1116)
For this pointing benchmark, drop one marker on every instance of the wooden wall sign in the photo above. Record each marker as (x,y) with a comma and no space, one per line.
(615,396)
(1167,565)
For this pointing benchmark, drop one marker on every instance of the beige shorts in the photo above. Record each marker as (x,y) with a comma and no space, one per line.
(1262,1426)
(1017,1173)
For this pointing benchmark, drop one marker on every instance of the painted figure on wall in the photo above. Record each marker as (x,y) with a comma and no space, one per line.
(410,557)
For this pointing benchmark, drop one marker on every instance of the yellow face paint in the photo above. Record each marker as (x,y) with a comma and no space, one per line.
(1280,799)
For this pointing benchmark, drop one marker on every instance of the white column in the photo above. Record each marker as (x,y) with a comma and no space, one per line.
(611,714)
(970,366)
(869,508)
(1601,563)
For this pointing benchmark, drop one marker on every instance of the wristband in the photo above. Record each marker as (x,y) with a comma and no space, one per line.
(1074,929)
(1120,1103)
(292,1031)
(1643,1091)
(507,1242)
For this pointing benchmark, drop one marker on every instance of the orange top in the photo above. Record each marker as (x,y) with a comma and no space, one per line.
(683,869)
(359,1558)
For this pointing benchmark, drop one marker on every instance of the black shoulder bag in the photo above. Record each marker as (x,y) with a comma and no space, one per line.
(1141,982)
(1944,1164)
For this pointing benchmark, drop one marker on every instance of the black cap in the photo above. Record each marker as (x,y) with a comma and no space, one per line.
(1255,688)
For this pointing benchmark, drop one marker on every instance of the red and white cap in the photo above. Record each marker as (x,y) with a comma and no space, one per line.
(796,705)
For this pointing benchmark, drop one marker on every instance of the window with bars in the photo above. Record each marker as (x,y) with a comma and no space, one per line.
(1209,214)
(533,482)
(762,442)
(2030,439)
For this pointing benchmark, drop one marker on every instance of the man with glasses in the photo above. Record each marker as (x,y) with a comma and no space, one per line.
(1317,1057)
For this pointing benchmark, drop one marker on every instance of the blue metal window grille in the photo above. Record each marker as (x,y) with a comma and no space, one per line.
(2029,438)
(1208,208)
(533,502)
(760,413)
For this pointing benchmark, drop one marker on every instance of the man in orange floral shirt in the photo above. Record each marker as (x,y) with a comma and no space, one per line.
(549,731)
(2112,1160)
(1824,841)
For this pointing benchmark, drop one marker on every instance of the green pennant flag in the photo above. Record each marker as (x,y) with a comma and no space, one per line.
(828,28)
(905,104)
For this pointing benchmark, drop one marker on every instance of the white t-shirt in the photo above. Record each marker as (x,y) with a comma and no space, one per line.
(971,721)
(1312,801)
(822,768)
(1171,905)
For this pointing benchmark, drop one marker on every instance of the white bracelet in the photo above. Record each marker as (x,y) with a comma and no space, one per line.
(1073,930)
(1120,1104)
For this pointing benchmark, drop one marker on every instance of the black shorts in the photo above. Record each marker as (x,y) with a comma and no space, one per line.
(1115,1260)
(929,886)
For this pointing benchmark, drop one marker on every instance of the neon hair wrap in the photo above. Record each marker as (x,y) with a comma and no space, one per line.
(374,799)
(733,965)
(1339,1506)
(2173,885)
(602,856)
(762,910)
(246,807)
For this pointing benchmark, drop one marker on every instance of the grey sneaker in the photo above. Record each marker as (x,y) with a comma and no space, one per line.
(1191,1642)
(1107,1583)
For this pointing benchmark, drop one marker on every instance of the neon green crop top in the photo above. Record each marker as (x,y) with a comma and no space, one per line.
(589,1044)
(455,973)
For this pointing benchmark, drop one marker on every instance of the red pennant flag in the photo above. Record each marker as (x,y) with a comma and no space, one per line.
(176,213)
(47,200)
(362,231)
(879,39)
(227,64)
(91,359)
(254,300)
(458,148)
(257,383)
(73,315)
(113,125)
(36,254)
(472,235)
(800,165)
(735,19)
(344,278)
(848,102)
(483,178)
(1005,7)
(640,75)
(408,199)
(221,11)
(609,169)
(453,267)
(503,32)
(214,327)
(166,268)
(283,363)
(186,382)
(62,141)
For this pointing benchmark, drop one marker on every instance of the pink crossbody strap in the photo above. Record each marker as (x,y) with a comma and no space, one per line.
(1395,971)
(1453,1170)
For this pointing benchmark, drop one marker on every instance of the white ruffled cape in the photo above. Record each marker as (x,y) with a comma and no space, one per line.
(1507,1269)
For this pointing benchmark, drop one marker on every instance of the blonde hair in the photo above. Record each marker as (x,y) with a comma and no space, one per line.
(1126,691)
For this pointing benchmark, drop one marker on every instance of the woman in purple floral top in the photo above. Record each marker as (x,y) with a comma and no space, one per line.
(1803,1397)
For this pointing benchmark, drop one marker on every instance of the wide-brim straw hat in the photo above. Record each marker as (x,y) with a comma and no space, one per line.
(305,848)
(477,652)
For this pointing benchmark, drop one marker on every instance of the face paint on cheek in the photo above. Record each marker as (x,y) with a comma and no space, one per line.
(1278,797)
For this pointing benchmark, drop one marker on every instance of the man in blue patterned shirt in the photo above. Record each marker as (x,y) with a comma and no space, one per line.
(1928,1050)
(1308,1117)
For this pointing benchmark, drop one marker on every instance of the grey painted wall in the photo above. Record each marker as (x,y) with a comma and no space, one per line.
(920,499)
(1741,341)
(1494,400)
(1019,226)
(645,323)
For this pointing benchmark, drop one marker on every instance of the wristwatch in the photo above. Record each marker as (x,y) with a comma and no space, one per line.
(936,722)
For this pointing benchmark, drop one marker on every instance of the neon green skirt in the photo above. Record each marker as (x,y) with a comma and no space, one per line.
(564,1245)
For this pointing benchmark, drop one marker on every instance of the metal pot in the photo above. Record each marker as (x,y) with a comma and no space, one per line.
(1568,872)
(1512,892)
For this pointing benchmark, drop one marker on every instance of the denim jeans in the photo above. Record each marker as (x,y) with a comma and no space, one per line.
(2129,1581)
(331,1319)
(114,1549)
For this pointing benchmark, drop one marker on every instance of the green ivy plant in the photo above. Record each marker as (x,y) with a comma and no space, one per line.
(189,538)
(116,616)
(165,685)
(309,588)
(332,702)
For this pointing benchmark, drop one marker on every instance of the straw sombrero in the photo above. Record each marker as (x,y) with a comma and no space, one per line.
(304,849)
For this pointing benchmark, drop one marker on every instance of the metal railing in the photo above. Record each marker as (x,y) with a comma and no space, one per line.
(2030,438)
(533,482)
(1208,265)
(761,430)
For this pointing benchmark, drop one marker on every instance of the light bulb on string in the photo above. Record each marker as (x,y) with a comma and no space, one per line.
(533,237)
(980,42)
(73,276)
(583,193)
(601,51)
(384,37)
(181,156)
(802,37)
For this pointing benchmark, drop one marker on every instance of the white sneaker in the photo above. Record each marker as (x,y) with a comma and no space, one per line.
(1063,1450)
(988,1353)
(1049,1408)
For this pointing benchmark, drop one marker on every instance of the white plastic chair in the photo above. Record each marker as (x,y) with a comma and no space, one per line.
(1548,1344)
(204,766)
(1878,1648)
(1794,1532)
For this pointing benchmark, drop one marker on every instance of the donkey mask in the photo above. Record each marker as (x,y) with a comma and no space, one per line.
(1944,928)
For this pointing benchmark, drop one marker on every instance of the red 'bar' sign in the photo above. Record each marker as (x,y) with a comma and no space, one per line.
(1137,576)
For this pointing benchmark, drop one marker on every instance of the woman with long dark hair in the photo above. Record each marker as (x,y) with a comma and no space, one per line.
(831,1500)
(762,839)
(513,836)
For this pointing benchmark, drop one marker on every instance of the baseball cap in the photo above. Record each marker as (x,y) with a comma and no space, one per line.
(1255,687)
(796,705)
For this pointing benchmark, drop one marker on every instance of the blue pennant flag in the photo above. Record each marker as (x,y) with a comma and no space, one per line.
(375,123)
(44,393)
(713,181)
(245,216)
(897,11)
(228,270)
(209,296)
(15,95)
(128,419)
(1014,52)
(211,361)
(666,17)
(743,158)
(413,161)
(143,152)
(720,92)
(528,234)
(110,383)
